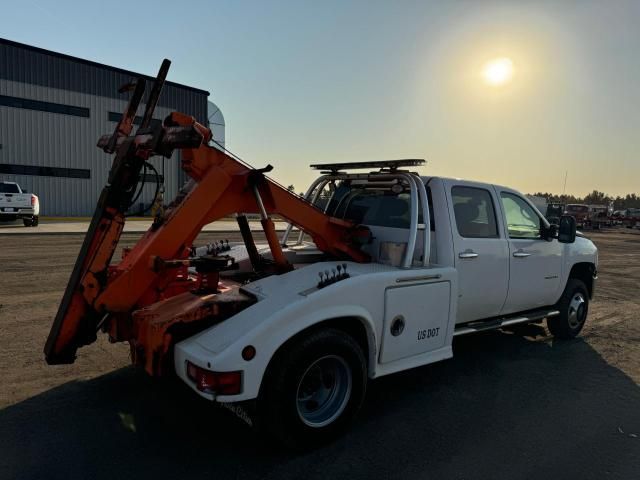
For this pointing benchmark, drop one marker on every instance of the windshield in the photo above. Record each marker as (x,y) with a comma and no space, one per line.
(577,208)
(9,188)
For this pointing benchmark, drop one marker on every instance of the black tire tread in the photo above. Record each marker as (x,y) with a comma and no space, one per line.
(559,325)
(276,420)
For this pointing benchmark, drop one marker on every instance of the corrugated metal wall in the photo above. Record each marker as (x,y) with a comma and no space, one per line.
(37,138)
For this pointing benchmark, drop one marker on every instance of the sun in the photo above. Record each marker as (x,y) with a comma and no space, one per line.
(498,72)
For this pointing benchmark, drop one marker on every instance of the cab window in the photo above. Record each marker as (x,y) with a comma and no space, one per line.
(474,212)
(370,207)
(522,220)
(381,208)
(9,188)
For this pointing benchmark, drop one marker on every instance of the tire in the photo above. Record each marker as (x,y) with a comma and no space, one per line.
(313,389)
(34,222)
(28,222)
(573,307)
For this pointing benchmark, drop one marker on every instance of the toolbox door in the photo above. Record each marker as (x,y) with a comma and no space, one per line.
(416,318)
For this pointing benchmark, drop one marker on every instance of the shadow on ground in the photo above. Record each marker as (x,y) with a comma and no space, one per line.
(506,406)
(11,224)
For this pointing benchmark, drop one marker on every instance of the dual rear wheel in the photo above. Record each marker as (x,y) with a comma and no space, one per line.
(313,389)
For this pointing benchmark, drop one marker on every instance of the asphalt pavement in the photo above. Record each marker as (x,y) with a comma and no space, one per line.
(505,407)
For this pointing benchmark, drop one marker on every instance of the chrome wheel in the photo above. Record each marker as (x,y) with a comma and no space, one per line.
(577,310)
(324,391)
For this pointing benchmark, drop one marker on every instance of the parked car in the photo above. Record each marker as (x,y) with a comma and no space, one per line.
(15,203)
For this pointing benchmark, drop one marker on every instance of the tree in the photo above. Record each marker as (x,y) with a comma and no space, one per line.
(597,198)
(630,200)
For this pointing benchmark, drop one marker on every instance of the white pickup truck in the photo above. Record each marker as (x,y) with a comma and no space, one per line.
(15,203)
(449,257)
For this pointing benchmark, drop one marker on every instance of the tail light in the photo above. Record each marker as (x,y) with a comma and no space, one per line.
(34,200)
(222,383)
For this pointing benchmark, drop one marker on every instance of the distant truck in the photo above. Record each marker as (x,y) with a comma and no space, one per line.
(600,216)
(578,211)
(631,218)
(16,203)
(554,212)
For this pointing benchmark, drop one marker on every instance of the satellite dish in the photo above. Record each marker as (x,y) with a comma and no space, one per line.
(216,125)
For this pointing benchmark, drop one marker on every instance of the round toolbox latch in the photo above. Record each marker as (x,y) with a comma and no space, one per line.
(397,325)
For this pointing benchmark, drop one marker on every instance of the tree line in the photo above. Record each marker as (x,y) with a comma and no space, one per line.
(630,200)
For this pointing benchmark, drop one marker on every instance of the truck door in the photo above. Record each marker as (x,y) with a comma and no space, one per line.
(481,253)
(534,263)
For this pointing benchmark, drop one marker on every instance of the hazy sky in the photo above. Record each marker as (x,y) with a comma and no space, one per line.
(317,81)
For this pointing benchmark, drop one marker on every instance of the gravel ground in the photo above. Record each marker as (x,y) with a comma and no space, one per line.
(508,405)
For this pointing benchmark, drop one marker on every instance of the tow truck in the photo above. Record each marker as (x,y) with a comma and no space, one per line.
(379,270)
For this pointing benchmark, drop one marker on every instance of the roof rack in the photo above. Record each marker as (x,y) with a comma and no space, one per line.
(392,165)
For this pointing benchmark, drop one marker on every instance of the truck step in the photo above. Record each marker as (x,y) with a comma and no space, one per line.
(495,323)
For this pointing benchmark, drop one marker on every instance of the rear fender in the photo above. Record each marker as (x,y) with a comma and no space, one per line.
(267,338)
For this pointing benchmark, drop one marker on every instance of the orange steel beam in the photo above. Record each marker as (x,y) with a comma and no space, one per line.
(221,189)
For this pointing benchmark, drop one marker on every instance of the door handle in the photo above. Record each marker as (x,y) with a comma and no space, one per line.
(467,254)
(521,254)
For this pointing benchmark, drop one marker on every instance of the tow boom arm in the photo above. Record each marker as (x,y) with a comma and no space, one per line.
(99,294)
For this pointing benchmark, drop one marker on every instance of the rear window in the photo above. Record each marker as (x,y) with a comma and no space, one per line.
(368,207)
(474,212)
(9,188)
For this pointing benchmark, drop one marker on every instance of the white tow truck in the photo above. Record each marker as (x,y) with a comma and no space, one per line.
(15,204)
(449,257)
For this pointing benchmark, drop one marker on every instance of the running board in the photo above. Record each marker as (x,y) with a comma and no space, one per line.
(493,324)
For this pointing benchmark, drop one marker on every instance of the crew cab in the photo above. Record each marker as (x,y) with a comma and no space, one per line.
(16,203)
(449,257)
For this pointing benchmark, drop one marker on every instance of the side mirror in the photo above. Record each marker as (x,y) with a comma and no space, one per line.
(567,229)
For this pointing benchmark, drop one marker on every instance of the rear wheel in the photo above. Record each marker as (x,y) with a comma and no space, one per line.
(34,222)
(27,221)
(573,307)
(313,389)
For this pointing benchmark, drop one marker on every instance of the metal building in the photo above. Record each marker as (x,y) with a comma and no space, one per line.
(53,109)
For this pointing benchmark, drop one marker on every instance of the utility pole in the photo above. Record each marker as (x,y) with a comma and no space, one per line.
(564,188)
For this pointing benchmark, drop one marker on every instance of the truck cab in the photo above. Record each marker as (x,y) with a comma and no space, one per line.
(449,257)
